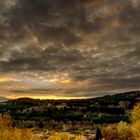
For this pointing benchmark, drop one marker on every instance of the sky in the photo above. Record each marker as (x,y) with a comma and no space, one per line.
(67,49)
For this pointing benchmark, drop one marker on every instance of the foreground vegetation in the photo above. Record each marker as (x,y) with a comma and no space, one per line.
(7,132)
(119,131)
(122,130)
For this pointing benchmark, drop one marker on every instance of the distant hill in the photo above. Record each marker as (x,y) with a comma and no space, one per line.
(111,99)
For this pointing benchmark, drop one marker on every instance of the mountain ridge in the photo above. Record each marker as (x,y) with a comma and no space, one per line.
(105,96)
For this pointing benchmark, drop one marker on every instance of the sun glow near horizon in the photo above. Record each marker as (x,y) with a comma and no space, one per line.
(50,97)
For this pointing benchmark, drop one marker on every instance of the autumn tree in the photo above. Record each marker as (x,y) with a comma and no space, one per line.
(135,118)
(8,132)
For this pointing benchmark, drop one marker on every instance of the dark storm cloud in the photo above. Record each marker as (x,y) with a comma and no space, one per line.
(31,58)
(48,20)
(90,40)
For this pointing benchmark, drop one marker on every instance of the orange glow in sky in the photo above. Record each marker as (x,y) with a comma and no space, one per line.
(6,79)
(42,97)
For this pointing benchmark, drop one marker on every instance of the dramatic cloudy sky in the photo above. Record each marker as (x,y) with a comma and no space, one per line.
(69,48)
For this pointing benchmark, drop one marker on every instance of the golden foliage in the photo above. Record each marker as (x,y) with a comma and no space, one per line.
(135,117)
(120,131)
(78,137)
(60,136)
(9,133)
(5,121)
(110,132)
(65,136)
(124,131)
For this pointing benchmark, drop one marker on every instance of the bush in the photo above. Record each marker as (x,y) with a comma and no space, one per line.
(79,137)
(120,131)
(110,132)
(124,131)
(60,136)
(7,132)
(65,136)
(135,115)
(5,121)
(135,118)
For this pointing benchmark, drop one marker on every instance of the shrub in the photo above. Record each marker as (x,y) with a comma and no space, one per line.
(110,132)
(135,115)
(135,118)
(5,121)
(124,131)
(60,136)
(79,137)
(7,132)
(120,131)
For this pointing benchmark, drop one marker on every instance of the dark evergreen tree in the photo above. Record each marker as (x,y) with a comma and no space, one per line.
(41,125)
(98,134)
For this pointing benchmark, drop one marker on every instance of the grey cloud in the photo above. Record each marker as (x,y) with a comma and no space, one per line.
(48,20)
(98,43)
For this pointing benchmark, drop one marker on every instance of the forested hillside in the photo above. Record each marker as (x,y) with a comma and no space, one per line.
(103,110)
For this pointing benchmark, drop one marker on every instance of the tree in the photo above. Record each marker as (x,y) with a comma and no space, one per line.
(41,125)
(98,134)
(5,121)
(8,132)
(135,115)
(135,118)
(124,131)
